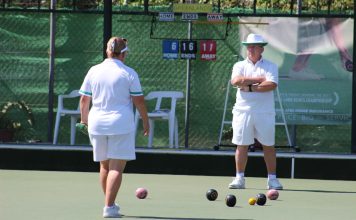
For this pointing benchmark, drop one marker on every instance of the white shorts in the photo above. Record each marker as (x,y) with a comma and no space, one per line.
(247,126)
(120,146)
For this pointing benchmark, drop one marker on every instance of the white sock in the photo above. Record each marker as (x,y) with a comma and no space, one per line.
(272,176)
(240,175)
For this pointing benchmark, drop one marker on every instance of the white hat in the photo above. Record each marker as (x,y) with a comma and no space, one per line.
(254,39)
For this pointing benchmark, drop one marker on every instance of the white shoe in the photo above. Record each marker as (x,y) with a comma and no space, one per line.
(237,183)
(274,184)
(304,74)
(111,212)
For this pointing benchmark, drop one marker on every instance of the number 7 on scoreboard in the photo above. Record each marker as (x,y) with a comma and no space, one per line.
(208,50)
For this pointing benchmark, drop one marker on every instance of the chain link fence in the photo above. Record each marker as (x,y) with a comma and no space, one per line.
(24,74)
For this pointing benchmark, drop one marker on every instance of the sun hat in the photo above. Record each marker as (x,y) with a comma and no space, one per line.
(254,39)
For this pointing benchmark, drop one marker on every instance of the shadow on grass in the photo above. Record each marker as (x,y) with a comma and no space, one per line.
(309,190)
(177,218)
(319,191)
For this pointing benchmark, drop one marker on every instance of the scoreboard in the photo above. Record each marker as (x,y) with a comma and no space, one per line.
(188,49)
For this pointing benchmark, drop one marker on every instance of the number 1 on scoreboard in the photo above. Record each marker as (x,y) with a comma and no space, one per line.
(208,50)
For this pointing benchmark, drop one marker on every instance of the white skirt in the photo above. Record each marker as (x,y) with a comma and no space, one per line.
(121,146)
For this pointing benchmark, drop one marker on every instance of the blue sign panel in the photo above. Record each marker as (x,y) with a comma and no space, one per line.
(170,49)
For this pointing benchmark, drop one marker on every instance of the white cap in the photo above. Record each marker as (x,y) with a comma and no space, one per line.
(254,39)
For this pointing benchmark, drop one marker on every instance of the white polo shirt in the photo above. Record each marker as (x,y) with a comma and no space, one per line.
(111,84)
(261,102)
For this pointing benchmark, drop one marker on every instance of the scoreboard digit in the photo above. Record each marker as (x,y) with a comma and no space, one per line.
(208,50)
(188,49)
(170,49)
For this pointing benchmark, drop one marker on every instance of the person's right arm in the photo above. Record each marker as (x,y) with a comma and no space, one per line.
(84,108)
(139,102)
(237,78)
(243,81)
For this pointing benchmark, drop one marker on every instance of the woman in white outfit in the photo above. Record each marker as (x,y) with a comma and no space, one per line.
(112,88)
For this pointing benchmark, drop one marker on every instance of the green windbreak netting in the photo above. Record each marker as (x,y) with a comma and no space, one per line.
(208,78)
(24,68)
(24,61)
(24,75)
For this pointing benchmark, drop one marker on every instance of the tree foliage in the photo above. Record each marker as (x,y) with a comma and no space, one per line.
(308,6)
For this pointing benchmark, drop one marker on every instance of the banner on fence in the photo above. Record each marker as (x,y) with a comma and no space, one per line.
(314,56)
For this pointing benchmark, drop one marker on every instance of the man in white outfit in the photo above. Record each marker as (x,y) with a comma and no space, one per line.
(254,111)
(112,88)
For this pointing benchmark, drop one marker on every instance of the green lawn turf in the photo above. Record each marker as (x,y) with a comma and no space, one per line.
(36,195)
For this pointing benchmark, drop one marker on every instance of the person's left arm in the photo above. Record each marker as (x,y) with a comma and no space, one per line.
(270,83)
(139,102)
(265,86)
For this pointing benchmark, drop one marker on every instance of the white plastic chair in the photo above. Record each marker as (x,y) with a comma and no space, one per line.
(62,111)
(163,114)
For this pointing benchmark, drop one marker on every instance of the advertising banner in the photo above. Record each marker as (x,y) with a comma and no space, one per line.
(314,56)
